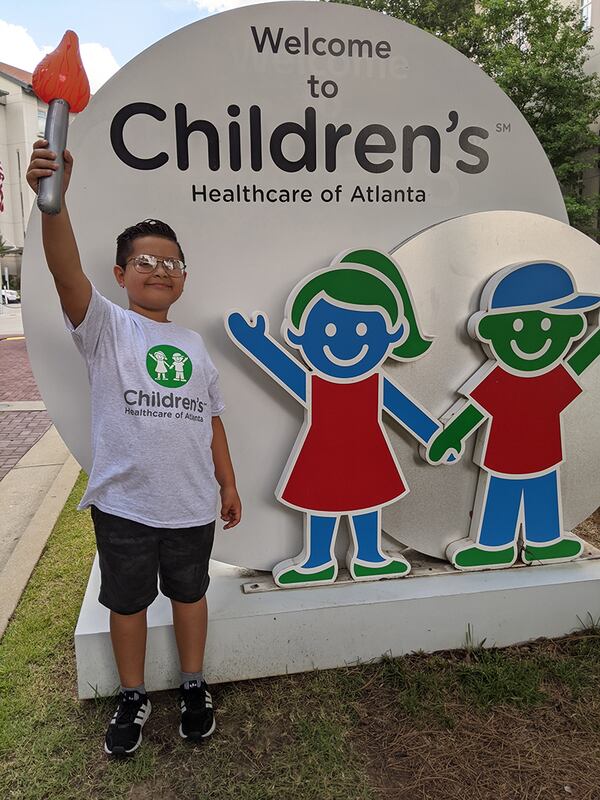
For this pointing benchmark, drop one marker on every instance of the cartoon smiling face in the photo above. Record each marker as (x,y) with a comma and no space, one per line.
(345,342)
(529,340)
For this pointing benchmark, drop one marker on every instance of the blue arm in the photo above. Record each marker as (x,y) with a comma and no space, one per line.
(410,415)
(253,338)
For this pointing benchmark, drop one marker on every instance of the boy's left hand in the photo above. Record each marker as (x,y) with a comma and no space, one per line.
(231,507)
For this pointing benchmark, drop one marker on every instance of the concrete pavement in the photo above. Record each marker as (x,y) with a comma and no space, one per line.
(37,472)
(10,320)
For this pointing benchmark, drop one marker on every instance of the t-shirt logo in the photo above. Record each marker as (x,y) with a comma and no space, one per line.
(168,366)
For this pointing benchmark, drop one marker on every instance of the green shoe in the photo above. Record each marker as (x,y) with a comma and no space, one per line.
(467,555)
(392,568)
(566,549)
(297,576)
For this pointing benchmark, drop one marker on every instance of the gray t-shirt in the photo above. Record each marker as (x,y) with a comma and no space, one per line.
(154,393)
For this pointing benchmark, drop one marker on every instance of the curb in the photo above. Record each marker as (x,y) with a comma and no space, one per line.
(28,550)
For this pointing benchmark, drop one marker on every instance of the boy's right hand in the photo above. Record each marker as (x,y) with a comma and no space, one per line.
(43,163)
(443,444)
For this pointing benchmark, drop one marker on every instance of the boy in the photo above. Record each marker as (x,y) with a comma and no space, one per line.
(157,442)
(531,315)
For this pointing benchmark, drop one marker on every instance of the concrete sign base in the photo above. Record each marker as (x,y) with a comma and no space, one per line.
(255,634)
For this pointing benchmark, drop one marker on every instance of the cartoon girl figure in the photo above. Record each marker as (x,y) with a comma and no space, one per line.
(161,365)
(178,364)
(345,320)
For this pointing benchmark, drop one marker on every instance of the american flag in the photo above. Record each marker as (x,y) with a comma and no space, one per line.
(1,192)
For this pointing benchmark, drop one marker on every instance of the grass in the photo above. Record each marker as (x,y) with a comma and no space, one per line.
(480,723)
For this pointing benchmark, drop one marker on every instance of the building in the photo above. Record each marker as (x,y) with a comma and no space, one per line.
(590,15)
(22,121)
(22,117)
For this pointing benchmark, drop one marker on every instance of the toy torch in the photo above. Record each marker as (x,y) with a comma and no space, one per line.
(59,80)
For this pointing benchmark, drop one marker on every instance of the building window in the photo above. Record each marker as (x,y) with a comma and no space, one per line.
(41,115)
(585,8)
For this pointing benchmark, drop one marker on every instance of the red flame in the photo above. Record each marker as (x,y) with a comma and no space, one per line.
(61,75)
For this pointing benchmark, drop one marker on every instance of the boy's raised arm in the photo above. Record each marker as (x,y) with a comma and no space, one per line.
(60,247)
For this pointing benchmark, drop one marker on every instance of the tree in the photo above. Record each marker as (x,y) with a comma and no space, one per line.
(536,51)
(5,248)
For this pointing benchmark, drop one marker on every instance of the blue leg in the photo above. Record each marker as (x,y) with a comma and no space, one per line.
(319,540)
(500,520)
(365,561)
(542,509)
(316,565)
(367,533)
(545,541)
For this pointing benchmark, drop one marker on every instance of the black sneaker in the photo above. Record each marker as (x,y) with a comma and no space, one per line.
(197,715)
(124,734)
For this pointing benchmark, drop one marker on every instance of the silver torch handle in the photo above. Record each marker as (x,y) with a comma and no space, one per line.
(50,188)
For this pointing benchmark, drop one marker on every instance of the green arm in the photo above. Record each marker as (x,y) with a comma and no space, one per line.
(452,437)
(586,353)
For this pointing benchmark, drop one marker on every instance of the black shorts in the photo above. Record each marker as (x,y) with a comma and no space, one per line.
(132,555)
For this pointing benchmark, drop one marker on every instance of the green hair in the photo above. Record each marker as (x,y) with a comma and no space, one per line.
(361,288)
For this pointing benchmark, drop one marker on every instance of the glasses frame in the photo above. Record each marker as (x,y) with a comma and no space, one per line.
(158,260)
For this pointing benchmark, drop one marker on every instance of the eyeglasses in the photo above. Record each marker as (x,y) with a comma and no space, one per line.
(147,264)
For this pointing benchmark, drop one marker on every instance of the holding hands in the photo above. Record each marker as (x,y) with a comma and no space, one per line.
(447,444)
(444,447)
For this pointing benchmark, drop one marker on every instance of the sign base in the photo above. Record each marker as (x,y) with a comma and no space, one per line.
(265,633)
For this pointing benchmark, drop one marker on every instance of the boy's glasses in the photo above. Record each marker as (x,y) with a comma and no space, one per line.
(147,264)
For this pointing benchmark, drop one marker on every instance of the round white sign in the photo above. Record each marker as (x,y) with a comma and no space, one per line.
(447,267)
(271,138)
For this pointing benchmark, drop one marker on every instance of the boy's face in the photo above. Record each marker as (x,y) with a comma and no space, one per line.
(158,290)
(528,341)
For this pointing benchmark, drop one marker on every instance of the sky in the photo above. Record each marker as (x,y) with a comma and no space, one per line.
(111,32)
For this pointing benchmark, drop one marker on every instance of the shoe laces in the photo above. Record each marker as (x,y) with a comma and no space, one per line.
(128,707)
(195,696)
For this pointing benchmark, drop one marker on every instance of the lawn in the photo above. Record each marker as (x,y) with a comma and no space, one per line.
(518,723)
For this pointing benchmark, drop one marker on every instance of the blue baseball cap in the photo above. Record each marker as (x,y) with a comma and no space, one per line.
(540,284)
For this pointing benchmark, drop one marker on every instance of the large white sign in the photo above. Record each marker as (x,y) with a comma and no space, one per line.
(272,138)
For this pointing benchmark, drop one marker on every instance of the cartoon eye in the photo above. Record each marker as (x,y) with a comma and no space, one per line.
(330,329)
(518,325)
(361,328)
(546,324)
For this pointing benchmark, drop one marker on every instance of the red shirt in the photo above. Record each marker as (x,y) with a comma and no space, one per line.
(345,462)
(524,435)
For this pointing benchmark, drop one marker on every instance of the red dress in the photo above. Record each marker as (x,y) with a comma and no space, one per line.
(344,461)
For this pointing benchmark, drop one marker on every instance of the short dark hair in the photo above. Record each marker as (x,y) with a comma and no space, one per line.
(148,227)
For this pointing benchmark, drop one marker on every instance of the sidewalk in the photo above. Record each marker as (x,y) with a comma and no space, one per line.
(23,417)
(10,320)
(37,471)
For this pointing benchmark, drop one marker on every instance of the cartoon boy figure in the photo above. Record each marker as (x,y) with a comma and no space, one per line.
(345,320)
(531,314)
(179,364)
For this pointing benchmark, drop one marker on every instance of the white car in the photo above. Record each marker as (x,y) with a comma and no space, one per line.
(10,296)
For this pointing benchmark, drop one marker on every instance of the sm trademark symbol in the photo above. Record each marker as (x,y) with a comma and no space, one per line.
(503,127)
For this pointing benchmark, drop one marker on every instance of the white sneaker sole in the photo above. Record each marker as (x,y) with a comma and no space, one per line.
(139,741)
(203,735)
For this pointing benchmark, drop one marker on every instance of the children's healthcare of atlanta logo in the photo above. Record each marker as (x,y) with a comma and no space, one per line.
(168,365)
